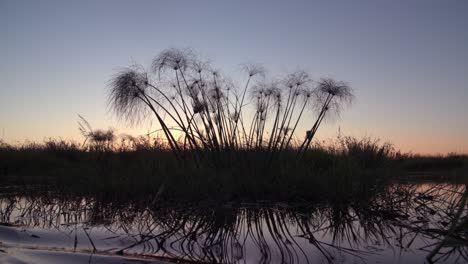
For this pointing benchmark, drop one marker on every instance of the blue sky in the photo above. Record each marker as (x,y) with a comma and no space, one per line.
(406,60)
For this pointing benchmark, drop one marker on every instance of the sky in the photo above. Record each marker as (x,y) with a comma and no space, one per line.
(407,61)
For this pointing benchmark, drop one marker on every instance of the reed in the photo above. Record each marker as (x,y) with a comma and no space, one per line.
(139,166)
(135,167)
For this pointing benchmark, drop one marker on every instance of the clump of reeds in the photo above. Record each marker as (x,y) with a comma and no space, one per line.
(98,139)
(206,118)
(130,143)
(368,152)
(5,146)
(138,167)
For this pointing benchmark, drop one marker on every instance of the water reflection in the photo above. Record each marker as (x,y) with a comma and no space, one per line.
(405,224)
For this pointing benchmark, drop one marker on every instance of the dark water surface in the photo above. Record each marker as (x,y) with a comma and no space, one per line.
(404,225)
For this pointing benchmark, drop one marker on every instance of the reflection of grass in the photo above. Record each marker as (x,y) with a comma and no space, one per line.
(402,218)
(353,168)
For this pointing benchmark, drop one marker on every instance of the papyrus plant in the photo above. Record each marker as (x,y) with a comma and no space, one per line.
(206,116)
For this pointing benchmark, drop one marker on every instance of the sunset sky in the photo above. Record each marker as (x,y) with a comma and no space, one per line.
(406,60)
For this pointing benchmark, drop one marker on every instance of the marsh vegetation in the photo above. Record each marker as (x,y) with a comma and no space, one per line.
(229,176)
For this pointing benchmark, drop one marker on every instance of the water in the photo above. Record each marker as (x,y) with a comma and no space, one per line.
(403,225)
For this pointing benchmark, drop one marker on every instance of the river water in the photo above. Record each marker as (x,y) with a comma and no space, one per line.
(406,224)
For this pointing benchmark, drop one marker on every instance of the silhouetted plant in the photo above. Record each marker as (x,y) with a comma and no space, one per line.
(99,139)
(140,143)
(366,152)
(331,95)
(204,116)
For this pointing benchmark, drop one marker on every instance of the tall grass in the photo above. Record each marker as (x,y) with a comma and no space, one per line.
(367,152)
(140,166)
(144,166)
